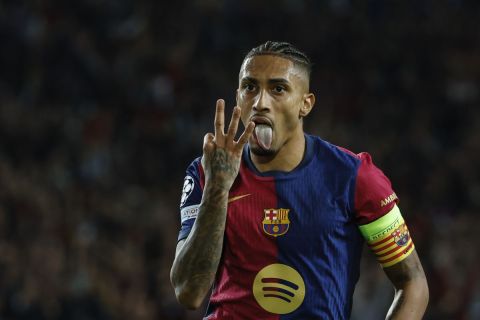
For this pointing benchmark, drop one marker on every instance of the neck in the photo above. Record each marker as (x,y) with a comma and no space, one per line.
(286,159)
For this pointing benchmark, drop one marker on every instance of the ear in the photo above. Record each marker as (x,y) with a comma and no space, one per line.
(236,98)
(308,102)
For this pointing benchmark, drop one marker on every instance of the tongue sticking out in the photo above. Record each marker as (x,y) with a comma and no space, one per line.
(264,136)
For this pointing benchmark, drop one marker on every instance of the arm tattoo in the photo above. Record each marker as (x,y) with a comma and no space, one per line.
(202,250)
(200,255)
(223,167)
(221,162)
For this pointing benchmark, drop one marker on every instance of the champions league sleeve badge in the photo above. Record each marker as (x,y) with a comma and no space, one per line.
(275,222)
(188,185)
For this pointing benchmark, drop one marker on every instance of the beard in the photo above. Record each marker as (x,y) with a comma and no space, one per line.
(259,151)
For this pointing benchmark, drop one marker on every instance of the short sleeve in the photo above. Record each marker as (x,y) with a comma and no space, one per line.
(192,191)
(374,196)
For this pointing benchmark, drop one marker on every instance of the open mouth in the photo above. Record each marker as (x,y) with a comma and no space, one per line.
(261,120)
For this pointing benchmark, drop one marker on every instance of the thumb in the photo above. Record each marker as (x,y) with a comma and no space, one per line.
(208,143)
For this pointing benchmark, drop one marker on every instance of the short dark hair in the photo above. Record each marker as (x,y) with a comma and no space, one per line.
(284,50)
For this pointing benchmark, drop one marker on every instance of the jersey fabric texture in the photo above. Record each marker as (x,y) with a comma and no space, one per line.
(292,244)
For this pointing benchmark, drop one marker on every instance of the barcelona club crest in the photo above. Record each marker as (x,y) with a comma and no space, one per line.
(401,236)
(275,222)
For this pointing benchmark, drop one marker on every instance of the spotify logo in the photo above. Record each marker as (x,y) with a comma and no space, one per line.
(279,289)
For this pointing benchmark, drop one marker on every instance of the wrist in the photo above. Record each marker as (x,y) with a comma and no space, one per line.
(216,192)
(215,198)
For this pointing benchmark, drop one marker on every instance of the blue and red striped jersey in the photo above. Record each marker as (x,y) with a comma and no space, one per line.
(292,245)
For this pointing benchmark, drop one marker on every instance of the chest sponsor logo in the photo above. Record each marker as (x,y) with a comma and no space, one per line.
(276,222)
(279,288)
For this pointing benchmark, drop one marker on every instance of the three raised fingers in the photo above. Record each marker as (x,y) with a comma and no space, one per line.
(220,138)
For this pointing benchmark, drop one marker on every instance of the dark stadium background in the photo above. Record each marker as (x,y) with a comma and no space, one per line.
(103,104)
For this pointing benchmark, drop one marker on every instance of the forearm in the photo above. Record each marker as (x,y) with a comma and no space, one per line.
(410,301)
(411,289)
(195,265)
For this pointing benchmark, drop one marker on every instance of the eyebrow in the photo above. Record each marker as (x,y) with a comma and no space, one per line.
(279,81)
(270,81)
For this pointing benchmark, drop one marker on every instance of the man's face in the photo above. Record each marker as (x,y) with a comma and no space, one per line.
(272,92)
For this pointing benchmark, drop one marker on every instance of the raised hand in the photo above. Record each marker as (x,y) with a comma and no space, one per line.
(198,256)
(221,153)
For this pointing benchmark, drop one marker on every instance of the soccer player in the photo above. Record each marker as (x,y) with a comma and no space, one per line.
(274,223)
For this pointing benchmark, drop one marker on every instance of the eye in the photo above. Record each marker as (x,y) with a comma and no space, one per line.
(279,89)
(249,87)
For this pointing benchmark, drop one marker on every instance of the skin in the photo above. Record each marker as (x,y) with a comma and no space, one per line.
(275,89)
(271,90)
(411,289)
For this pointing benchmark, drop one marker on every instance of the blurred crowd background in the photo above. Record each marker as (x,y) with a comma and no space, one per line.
(104,103)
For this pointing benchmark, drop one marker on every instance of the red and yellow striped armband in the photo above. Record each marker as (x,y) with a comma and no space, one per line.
(388,238)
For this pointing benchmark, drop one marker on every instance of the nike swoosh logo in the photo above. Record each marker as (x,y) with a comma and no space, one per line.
(238,197)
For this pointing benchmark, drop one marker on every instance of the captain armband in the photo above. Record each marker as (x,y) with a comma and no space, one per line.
(388,238)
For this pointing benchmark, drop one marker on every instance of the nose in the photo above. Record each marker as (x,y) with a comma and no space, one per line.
(262,102)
